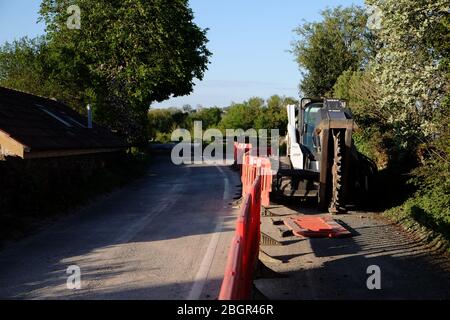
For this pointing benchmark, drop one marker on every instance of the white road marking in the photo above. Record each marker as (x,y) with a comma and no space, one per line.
(227,189)
(205,266)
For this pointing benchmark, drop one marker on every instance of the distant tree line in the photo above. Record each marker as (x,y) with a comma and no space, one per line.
(255,113)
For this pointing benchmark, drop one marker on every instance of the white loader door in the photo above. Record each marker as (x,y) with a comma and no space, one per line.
(293,146)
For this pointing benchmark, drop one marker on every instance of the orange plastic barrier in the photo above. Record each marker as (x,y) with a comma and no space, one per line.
(243,230)
(249,172)
(239,150)
(251,168)
(252,245)
(244,251)
(256,176)
(232,283)
(266,183)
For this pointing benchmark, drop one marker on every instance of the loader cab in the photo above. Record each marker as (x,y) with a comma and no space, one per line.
(312,112)
(311,117)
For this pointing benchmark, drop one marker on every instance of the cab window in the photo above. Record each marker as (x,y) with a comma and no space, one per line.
(312,118)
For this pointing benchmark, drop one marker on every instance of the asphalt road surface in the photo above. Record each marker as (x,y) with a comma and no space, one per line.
(165,236)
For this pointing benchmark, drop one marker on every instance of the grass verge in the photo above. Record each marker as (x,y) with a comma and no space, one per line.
(426,214)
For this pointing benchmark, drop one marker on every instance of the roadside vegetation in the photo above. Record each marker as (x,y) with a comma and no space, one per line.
(395,76)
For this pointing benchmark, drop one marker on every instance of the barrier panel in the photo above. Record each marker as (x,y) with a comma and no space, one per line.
(244,251)
(253,235)
(249,172)
(232,283)
(239,150)
(251,167)
(244,230)
(242,148)
(256,176)
(266,183)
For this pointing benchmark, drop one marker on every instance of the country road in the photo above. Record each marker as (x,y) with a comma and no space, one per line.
(165,236)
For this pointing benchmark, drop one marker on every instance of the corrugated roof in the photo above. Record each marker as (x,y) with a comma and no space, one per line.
(43,124)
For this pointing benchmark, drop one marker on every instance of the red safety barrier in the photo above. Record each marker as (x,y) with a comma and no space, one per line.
(239,150)
(243,230)
(253,235)
(251,168)
(256,176)
(244,251)
(232,282)
(249,172)
(266,183)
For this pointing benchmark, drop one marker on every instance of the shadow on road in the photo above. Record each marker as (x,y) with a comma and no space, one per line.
(162,220)
(332,269)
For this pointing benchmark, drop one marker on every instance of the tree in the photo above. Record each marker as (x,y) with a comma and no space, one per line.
(187,108)
(210,117)
(274,115)
(410,67)
(127,54)
(328,48)
(160,121)
(28,65)
(19,58)
(238,116)
(257,114)
(242,115)
(363,95)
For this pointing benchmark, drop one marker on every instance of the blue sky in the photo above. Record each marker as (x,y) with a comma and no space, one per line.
(249,39)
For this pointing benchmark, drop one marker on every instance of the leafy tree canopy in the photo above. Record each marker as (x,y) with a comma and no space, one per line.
(256,113)
(327,48)
(210,117)
(410,67)
(126,55)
